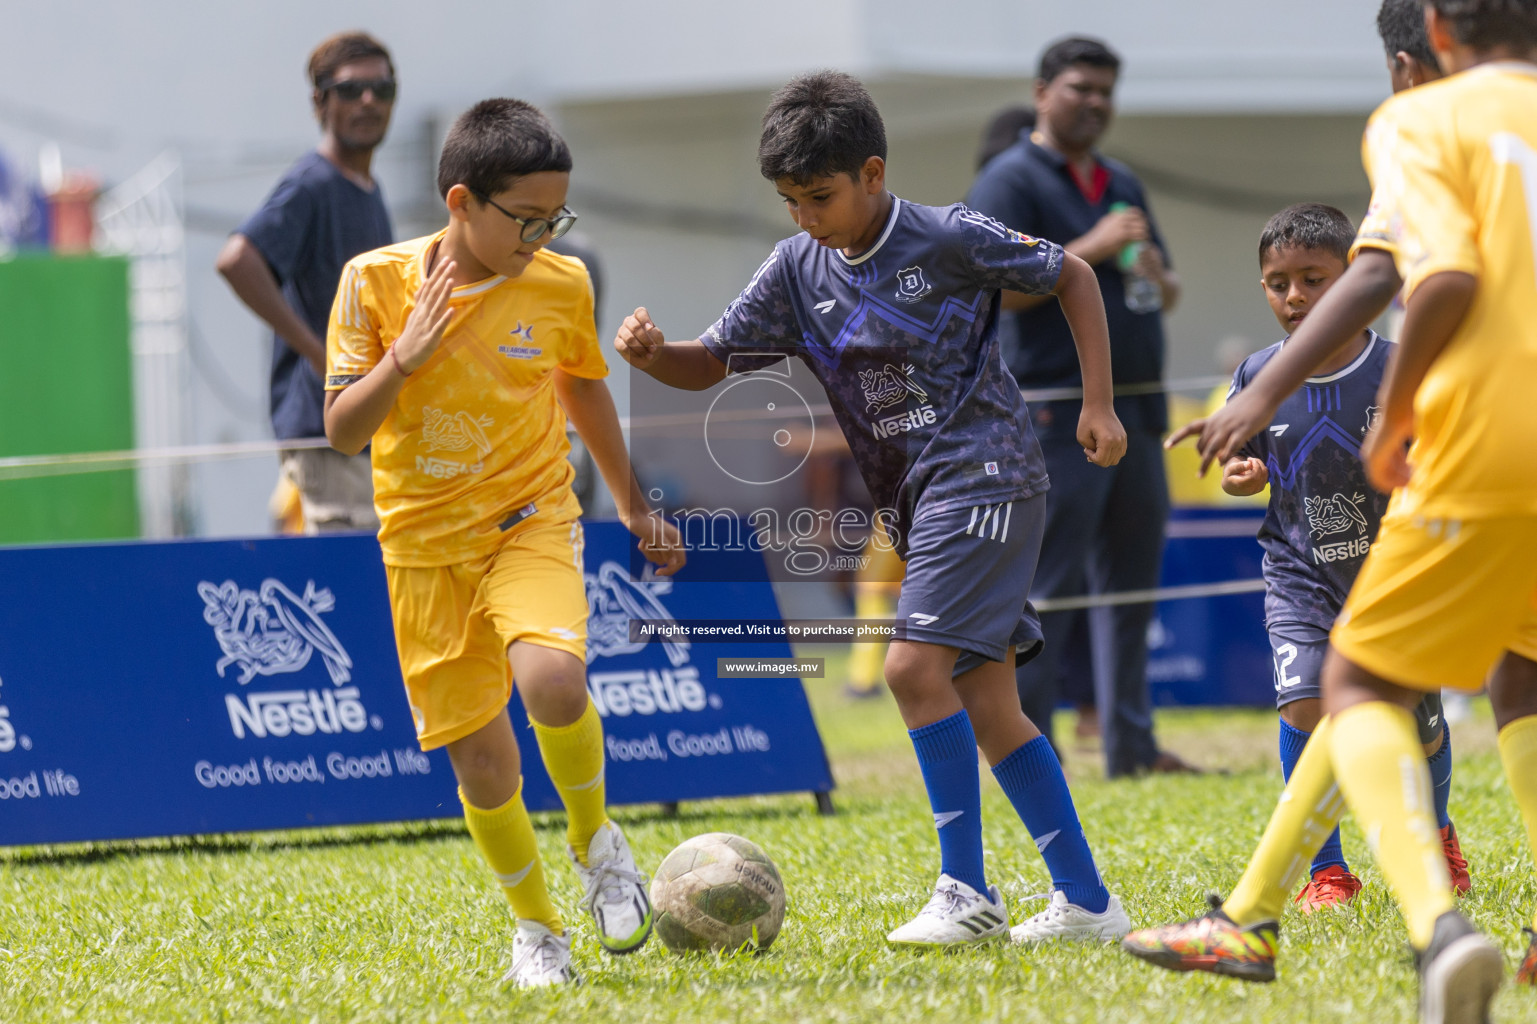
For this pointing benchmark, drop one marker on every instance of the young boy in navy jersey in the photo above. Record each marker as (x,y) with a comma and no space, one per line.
(876,292)
(1323,514)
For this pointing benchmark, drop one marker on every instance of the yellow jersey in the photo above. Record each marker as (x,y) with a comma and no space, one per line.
(1453,166)
(476,441)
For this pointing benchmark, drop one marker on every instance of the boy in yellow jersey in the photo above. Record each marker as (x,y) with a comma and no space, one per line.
(455,355)
(1447,593)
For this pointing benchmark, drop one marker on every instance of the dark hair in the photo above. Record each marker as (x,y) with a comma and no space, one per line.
(1401,24)
(344,48)
(1064,53)
(1485,24)
(496,142)
(1308,226)
(818,125)
(1003,131)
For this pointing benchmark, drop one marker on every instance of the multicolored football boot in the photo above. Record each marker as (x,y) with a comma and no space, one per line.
(1212,942)
(1456,863)
(1526,974)
(1329,887)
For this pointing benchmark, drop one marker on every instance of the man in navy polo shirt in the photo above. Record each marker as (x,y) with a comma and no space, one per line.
(285,261)
(1104,530)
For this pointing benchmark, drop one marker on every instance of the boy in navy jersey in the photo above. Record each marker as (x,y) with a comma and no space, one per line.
(1323,514)
(894,307)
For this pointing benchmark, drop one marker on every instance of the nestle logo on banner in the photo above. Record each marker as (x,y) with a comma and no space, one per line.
(9,740)
(273,631)
(613,599)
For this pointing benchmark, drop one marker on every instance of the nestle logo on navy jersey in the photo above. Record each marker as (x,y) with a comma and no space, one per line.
(1342,550)
(907,421)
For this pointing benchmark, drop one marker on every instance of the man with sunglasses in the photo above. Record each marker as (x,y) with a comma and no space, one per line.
(285,260)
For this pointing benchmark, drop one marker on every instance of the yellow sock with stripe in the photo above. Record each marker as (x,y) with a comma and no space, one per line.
(505,838)
(1308,811)
(573,757)
(1381,770)
(870,602)
(1518,751)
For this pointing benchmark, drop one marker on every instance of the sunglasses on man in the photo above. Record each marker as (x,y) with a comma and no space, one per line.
(352,89)
(533,227)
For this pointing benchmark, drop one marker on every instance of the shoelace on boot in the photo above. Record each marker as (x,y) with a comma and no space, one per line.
(544,953)
(609,881)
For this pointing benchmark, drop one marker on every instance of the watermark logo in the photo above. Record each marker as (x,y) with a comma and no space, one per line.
(272,631)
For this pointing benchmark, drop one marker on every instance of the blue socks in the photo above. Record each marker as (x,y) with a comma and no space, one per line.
(1032,779)
(1292,742)
(947,756)
(1440,764)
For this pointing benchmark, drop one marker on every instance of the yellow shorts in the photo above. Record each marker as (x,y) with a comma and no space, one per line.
(454,623)
(1438,601)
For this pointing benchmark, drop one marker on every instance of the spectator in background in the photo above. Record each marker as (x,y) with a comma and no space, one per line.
(285,260)
(1104,530)
(1003,131)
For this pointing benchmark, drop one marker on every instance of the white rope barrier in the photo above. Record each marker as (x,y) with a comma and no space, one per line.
(1223,589)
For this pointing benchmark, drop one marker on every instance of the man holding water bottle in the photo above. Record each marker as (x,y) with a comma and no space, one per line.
(1104,528)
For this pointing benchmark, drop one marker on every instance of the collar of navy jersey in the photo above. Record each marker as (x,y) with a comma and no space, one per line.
(891,222)
(1355,364)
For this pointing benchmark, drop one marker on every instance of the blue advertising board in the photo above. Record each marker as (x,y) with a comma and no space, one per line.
(1211,650)
(207,686)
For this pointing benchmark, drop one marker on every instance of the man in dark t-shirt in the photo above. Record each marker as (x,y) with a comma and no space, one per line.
(285,260)
(1104,531)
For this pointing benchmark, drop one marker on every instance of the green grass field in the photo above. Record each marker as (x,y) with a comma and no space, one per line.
(402,924)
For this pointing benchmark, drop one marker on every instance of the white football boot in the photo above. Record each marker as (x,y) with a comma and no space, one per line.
(1070,922)
(956,915)
(614,892)
(539,957)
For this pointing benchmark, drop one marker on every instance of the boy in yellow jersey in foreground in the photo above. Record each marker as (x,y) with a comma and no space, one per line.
(1447,593)
(455,355)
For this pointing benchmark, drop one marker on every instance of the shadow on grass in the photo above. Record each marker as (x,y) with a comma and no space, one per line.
(425,831)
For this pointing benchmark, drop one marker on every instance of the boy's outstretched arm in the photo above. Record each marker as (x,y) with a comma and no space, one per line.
(590,408)
(1099,430)
(1357,298)
(354,413)
(1436,309)
(681,364)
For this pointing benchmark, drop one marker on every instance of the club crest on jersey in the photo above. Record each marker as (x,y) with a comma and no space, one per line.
(1373,417)
(1334,515)
(525,350)
(912,285)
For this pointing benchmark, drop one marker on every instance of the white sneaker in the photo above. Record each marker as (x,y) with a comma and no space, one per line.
(956,915)
(1064,920)
(614,892)
(539,957)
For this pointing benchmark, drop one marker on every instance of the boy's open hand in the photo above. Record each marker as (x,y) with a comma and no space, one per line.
(1102,436)
(1220,435)
(1243,477)
(427,322)
(639,340)
(660,541)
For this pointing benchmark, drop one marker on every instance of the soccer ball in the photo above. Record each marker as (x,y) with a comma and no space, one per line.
(717,892)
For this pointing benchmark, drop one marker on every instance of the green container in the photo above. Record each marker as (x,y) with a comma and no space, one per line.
(66,385)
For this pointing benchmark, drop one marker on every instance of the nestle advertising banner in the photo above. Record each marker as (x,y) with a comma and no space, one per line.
(209,686)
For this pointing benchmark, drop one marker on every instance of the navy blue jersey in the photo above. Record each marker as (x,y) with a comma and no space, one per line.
(1323,515)
(315,220)
(904,339)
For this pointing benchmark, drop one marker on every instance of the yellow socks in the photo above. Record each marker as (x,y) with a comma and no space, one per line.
(573,757)
(870,602)
(1309,809)
(1381,770)
(1518,751)
(505,838)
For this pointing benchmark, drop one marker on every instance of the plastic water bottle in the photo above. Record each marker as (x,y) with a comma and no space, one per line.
(1143,295)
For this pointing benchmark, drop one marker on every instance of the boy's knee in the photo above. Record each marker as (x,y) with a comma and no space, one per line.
(553,683)
(1513,689)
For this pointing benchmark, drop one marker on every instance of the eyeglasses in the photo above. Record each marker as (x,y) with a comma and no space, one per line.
(533,227)
(352,89)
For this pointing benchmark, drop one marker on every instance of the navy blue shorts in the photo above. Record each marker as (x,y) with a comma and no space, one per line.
(968,581)
(1298,651)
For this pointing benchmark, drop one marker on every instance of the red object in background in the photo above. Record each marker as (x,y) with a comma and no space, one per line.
(71,214)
